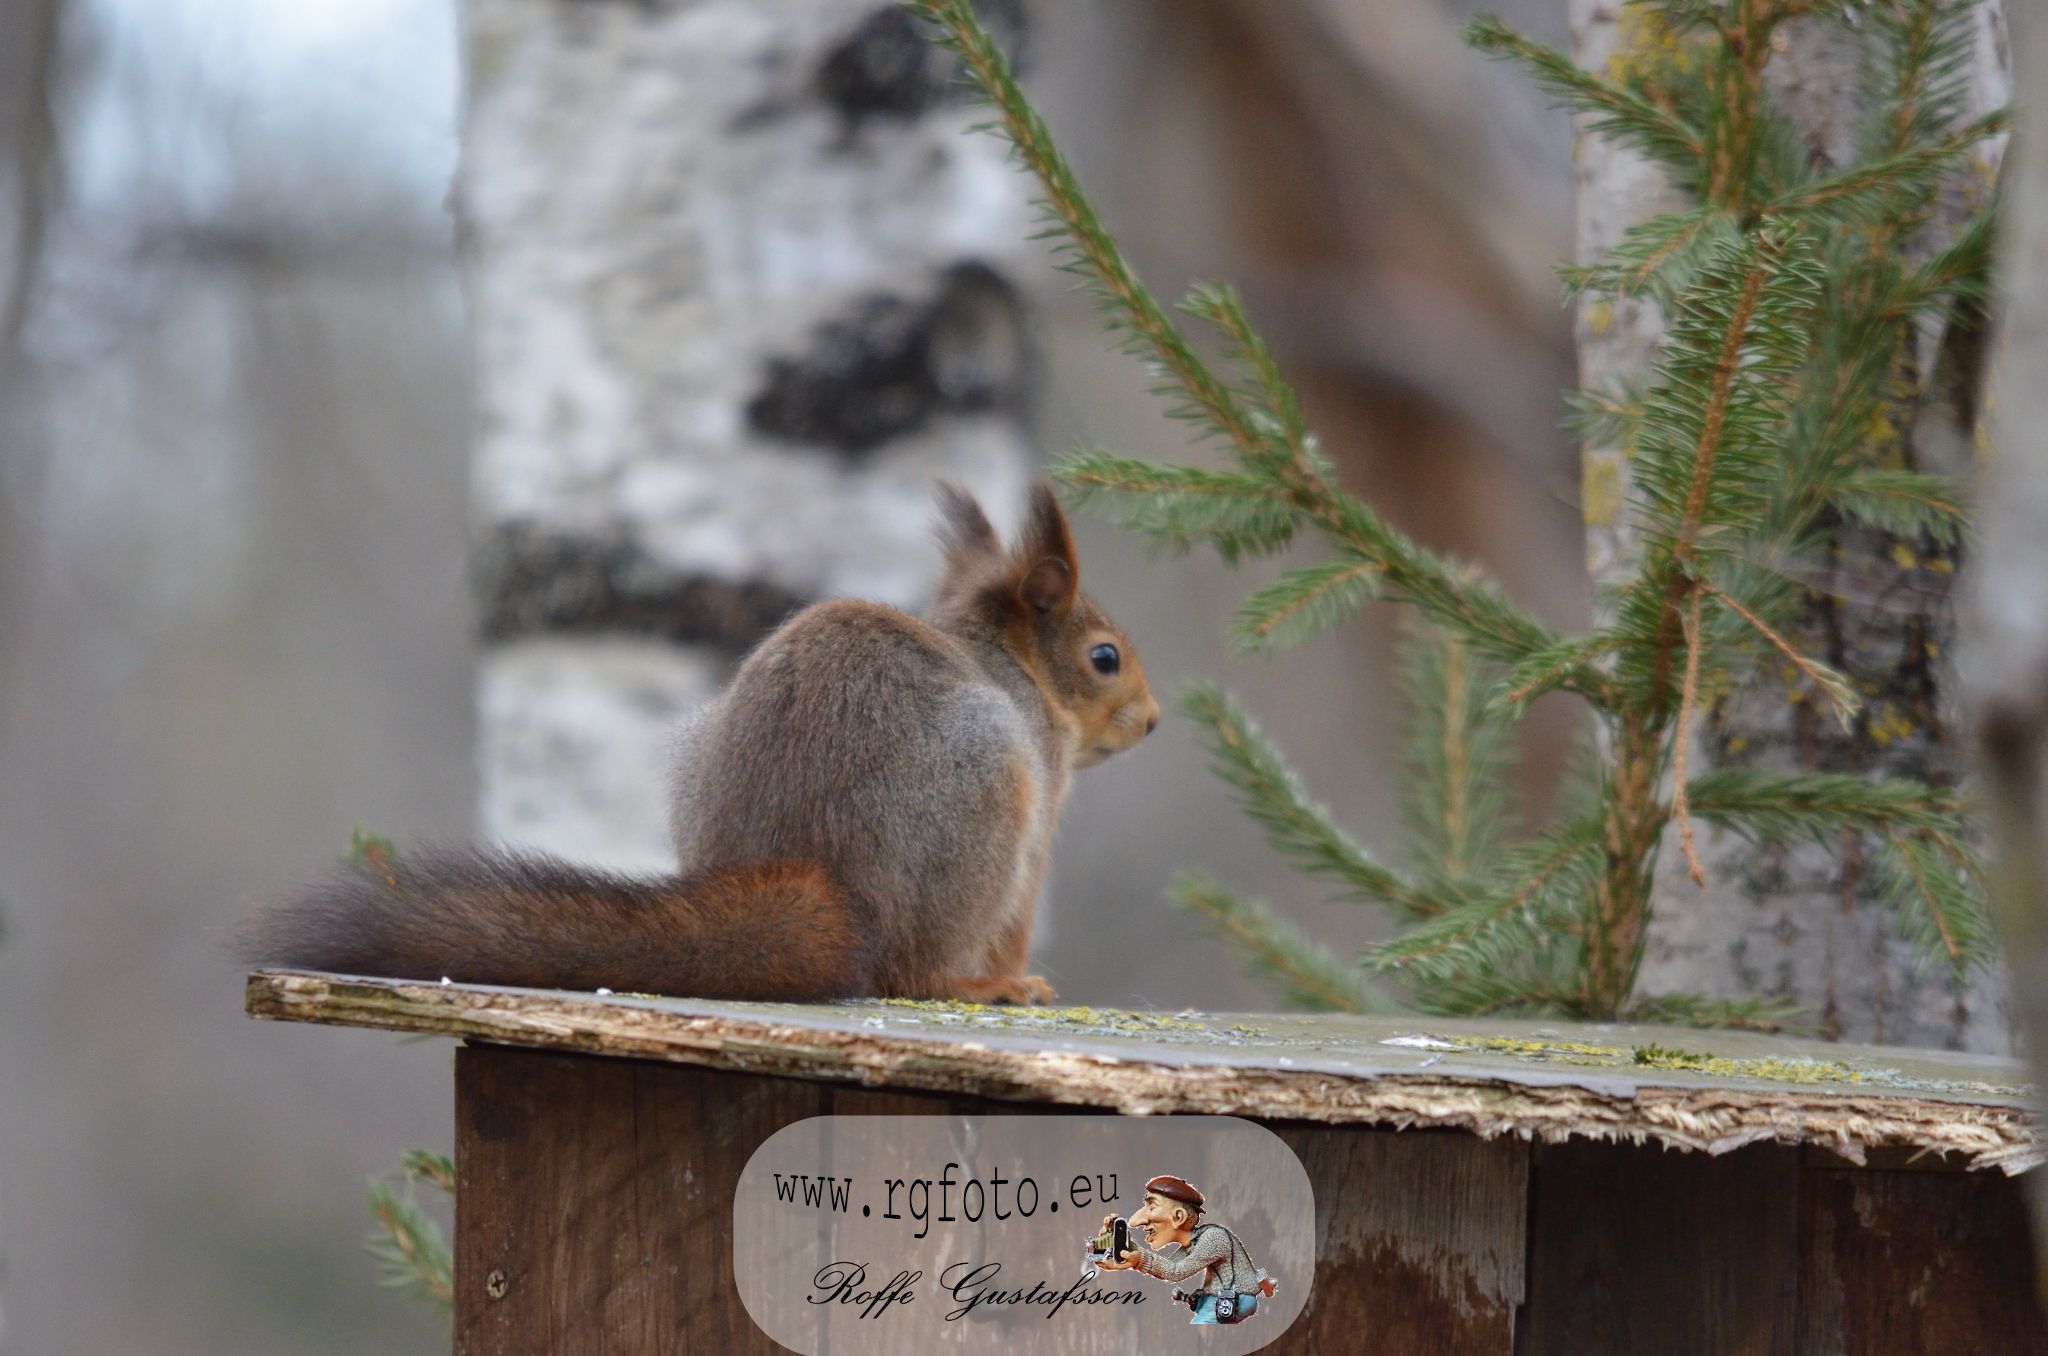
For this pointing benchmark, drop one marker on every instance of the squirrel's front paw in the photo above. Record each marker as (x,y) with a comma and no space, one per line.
(1022,989)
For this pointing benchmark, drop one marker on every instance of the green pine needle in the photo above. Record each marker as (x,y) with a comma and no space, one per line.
(1623,114)
(411,1252)
(1903,503)
(1179,507)
(1537,888)
(1657,258)
(1939,885)
(1302,604)
(1570,665)
(1775,808)
(1295,825)
(1458,758)
(1306,973)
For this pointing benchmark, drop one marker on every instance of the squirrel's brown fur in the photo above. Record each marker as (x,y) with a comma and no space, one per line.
(866,810)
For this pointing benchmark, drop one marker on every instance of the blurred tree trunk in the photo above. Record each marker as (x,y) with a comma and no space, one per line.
(28,139)
(739,289)
(2008,653)
(1796,923)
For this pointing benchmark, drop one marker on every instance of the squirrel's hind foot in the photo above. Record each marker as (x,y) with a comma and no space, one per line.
(1019,989)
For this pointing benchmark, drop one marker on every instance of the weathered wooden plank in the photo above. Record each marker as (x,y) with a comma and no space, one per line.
(594,1204)
(1419,1241)
(1491,1079)
(1922,1263)
(1636,1249)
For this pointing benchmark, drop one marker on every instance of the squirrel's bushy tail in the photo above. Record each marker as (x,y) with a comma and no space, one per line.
(768,930)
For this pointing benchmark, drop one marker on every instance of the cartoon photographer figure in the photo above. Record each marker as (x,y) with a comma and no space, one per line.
(1231,1285)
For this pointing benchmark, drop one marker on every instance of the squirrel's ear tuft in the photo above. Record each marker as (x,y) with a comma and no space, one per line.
(964,530)
(1048,571)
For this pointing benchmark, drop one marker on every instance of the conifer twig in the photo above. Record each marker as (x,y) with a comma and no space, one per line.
(411,1253)
(1456,759)
(1831,685)
(1618,112)
(1294,824)
(1682,741)
(1778,807)
(1452,930)
(1927,892)
(1308,972)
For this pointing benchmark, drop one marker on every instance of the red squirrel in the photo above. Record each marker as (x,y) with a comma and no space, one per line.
(865,811)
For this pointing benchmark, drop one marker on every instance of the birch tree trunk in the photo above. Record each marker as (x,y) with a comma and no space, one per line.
(1801,923)
(738,286)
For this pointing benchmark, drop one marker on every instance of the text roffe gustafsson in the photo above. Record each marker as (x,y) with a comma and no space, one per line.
(950,1198)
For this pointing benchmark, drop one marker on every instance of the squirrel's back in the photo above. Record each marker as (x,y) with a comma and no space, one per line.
(871,742)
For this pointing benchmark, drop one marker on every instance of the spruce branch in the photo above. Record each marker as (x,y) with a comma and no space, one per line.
(1125,301)
(371,854)
(436,1170)
(1681,740)
(1458,758)
(1704,447)
(1831,683)
(1961,272)
(1903,503)
(1568,665)
(1604,418)
(411,1253)
(1308,974)
(1944,909)
(1772,808)
(1619,113)
(1656,258)
(1883,187)
(1178,507)
(1220,306)
(1919,58)
(1487,933)
(1302,604)
(1296,826)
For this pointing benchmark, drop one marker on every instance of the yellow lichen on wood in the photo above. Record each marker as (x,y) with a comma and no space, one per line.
(1538,1082)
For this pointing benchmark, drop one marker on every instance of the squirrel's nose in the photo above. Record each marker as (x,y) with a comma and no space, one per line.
(1152,723)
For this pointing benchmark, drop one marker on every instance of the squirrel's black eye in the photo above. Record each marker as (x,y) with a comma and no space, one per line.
(1105,659)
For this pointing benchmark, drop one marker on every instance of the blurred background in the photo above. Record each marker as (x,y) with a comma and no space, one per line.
(269,489)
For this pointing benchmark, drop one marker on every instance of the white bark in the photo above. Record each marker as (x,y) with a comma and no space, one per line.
(737,287)
(1617,188)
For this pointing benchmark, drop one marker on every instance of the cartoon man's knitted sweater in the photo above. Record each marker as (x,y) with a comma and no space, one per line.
(1208,1253)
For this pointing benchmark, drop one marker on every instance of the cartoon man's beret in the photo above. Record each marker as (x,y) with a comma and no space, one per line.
(1174,1189)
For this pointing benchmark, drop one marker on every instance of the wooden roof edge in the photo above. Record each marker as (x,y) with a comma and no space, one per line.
(1709,1119)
